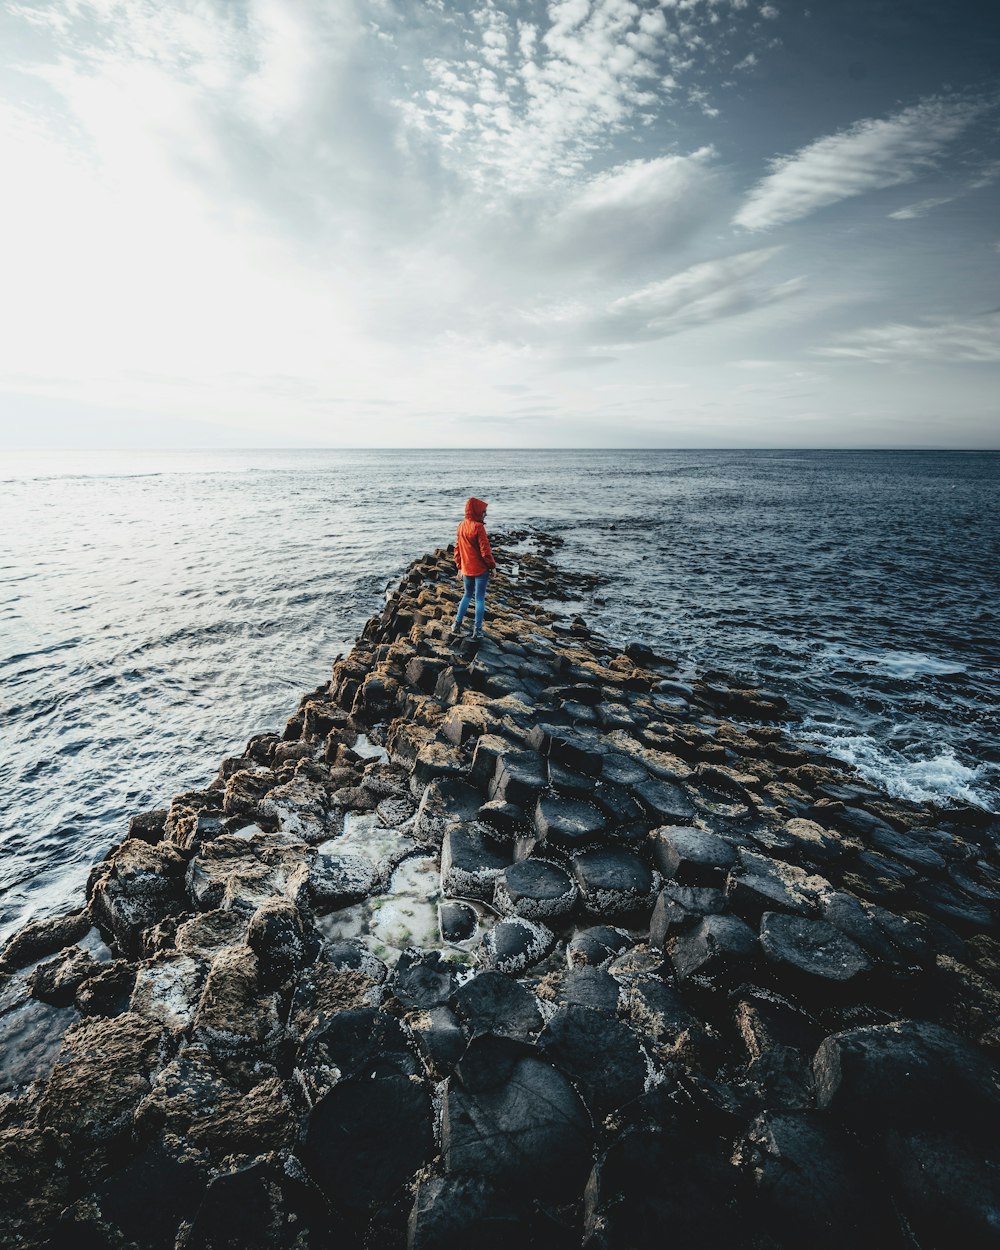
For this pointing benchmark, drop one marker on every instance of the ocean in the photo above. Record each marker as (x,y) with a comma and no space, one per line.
(159,608)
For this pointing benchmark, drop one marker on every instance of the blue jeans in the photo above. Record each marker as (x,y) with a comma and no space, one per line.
(477,584)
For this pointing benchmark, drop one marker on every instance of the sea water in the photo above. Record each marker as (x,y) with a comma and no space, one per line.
(158,608)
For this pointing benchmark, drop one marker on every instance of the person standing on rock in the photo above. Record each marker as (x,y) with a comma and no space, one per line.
(475,563)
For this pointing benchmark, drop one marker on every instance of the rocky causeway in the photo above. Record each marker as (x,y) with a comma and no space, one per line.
(531,941)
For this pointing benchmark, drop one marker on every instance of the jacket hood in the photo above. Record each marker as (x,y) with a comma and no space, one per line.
(475,508)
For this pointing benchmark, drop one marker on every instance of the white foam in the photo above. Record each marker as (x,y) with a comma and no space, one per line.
(940,777)
(903,665)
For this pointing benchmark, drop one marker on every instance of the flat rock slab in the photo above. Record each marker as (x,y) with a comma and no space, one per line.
(908,1074)
(366,1138)
(491,1003)
(692,856)
(591,987)
(597,946)
(536,888)
(423,979)
(718,945)
(812,947)
(680,907)
(471,861)
(566,821)
(613,882)
(456,1211)
(363,1043)
(519,778)
(336,881)
(601,1055)
(665,801)
(515,945)
(529,1132)
(457,922)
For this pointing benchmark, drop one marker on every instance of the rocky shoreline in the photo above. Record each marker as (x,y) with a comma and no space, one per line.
(525,942)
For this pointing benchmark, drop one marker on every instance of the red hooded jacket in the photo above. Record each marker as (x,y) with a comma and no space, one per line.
(472,547)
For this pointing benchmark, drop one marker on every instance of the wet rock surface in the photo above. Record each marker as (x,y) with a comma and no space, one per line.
(521,941)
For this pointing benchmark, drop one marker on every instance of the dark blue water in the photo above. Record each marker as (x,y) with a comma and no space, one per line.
(156,609)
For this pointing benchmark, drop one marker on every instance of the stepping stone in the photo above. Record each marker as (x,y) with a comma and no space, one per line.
(810,1187)
(453,1211)
(566,749)
(444,803)
(364,1043)
(489,750)
(506,820)
(526,1130)
(492,1003)
(658,1010)
(471,861)
(597,946)
(664,800)
(680,907)
(435,759)
(599,1053)
(515,944)
(909,1075)
(591,987)
(564,781)
(366,1138)
(847,914)
(423,979)
(619,805)
(440,1039)
(750,896)
(691,856)
(536,888)
(613,882)
(567,822)
(336,881)
(623,770)
(718,946)
(519,778)
(457,922)
(812,947)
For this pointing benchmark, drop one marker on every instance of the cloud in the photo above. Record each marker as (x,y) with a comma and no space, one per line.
(921,208)
(869,156)
(973,340)
(702,293)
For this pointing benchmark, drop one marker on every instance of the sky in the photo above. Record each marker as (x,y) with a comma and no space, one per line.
(583,223)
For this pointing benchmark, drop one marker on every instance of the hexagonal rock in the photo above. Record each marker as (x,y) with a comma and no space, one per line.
(567,748)
(613,882)
(361,1044)
(507,820)
(591,987)
(519,778)
(457,922)
(750,895)
(810,1187)
(515,944)
(235,1017)
(435,759)
(338,880)
(445,802)
(525,1129)
(908,1074)
(422,979)
(812,947)
(597,946)
(366,1138)
(691,856)
(455,1211)
(493,1004)
(243,873)
(567,822)
(471,862)
(536,888)
(138,885)
(489,749)
(718,946)
(680,907)
(664,800)
(600,1054)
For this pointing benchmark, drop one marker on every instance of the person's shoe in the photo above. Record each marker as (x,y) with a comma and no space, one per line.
(478,635)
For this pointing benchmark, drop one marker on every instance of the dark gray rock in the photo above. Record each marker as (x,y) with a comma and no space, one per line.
(471,862)
(527,1130)
(658,1010)
(492,1003)
(445,803)
(750,895)
(57,980)
(460,1212)
(364,1043)
(366,1138)
(564,821)
(440,1038)
(591,987)
(567,749)
(536,888)
(856,922)
(137,886)
(564,781)
(519,778)
(810,1188)
(812,947)
(691,856)
(601,1055)
(623,770)
(514,945)
(619,806)
(718,946)
(506,820)
(952,907)
(423,979)
(613,882)
(680,907)
(336,881)
(457,922)
(277,937)
(664,801)
(649,1184)
(262,1206)
(597,946)
(909,1074)
(946,1186)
